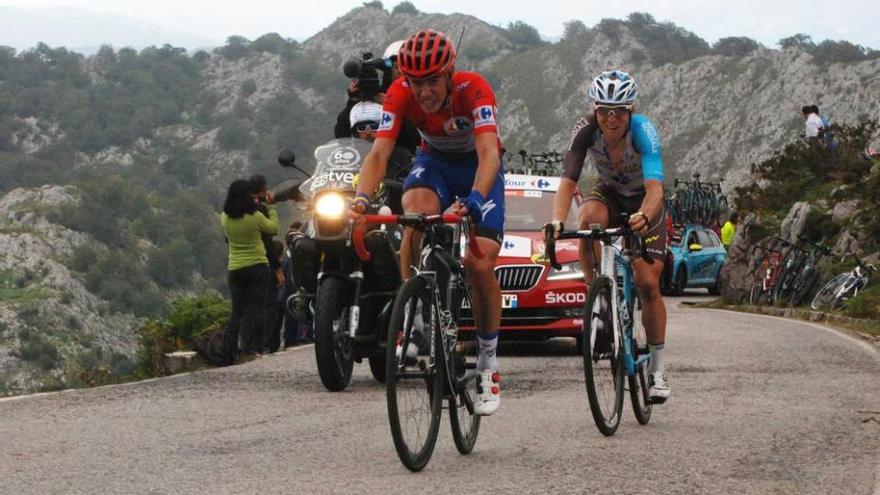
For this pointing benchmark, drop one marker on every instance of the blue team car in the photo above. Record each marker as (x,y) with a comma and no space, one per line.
(697,256)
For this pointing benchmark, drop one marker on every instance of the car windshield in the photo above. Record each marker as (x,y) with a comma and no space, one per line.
(530,210)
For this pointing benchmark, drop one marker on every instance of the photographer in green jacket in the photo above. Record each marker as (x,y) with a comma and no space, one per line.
(249,272)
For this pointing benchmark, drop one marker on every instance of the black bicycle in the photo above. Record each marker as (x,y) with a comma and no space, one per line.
(799,273)
(426,358)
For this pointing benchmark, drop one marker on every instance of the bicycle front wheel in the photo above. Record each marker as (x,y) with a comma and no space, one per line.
(603,358)
(638,383)
(826,294)
(757,295)
(414,374)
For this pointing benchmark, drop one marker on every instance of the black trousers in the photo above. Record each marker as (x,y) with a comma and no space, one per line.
(249,288)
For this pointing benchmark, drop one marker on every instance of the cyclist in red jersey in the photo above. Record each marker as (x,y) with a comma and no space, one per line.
(458,166)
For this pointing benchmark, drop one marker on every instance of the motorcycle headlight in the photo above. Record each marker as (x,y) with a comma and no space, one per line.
(330,206)
(568,271)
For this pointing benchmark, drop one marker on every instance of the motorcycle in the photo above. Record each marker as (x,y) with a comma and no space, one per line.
(350,300)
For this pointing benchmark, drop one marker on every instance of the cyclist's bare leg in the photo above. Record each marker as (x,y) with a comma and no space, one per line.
(416,200)
(486,291)
(592,212)
(647,279)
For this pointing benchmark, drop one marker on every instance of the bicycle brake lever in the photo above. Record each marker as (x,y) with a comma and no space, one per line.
(550,247)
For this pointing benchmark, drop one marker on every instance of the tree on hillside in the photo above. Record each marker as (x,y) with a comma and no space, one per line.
(735,46)
(271,42)
(405,8)
(523,35)
(574,29)
(841,51)
(800,40)
(376,4)
(236,47)
(664,41)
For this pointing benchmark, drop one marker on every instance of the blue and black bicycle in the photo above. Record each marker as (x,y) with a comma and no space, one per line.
(614,342)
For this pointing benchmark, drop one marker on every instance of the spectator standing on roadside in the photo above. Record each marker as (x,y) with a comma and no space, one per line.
(249,273)
(275,308)
(812,122)
(266,342)
(729,229)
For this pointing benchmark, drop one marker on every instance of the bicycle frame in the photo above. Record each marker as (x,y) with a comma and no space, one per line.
(451,262)
(615,262)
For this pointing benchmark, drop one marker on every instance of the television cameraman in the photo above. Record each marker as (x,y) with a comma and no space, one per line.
(366,86)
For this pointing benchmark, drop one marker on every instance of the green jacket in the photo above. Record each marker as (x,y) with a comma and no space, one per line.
(727,232)
(243,236)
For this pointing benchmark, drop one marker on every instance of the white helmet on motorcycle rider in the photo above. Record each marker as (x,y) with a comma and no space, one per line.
(392,50)
(365,116)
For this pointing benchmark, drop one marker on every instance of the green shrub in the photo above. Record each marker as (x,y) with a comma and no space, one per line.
(155,339)
(234,134)
(865,305)
(248,88)
(192,315)
(36,349)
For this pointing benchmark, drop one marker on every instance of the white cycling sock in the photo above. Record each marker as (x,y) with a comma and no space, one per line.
(488,346)
(658,363)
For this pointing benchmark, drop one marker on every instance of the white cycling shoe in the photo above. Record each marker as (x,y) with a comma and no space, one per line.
(416,334)
(489,396)
(659,388)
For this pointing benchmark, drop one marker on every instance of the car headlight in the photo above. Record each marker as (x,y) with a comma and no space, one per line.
(330,206)
(568,271)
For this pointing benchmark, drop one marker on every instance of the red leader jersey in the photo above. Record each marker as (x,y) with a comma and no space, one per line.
(471,110)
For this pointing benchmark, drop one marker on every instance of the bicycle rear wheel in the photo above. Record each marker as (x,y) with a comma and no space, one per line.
(803,286)
(638,383)
(414,381)
(826,294)
(603,363)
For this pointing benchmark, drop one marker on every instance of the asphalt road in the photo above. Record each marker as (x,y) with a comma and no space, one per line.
(759,405)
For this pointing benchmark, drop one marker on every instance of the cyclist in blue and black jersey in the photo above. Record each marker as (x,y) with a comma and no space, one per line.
(625,149)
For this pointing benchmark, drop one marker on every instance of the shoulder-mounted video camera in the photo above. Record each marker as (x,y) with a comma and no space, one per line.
(370,72)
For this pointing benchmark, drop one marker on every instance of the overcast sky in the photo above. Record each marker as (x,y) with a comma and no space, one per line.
(764,20)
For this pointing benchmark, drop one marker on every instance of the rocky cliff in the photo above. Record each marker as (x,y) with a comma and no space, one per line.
(48,319)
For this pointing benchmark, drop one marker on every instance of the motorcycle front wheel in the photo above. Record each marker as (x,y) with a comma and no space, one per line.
(333,351)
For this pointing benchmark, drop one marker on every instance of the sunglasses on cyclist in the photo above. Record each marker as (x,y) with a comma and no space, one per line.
(616,111)
(366,125)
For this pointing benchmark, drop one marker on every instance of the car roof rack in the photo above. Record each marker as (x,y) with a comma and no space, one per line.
(541,163)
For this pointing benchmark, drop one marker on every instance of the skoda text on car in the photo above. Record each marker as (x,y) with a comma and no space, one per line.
(697,256)
(538,302)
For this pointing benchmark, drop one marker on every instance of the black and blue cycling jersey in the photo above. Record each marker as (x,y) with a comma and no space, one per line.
(641,159)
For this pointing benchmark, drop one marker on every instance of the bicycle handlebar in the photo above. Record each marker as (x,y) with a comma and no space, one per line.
(599,234)
(417,220)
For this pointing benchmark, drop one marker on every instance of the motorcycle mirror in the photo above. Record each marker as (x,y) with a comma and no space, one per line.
(286,157)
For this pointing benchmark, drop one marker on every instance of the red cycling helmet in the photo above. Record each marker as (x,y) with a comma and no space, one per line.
(426,53)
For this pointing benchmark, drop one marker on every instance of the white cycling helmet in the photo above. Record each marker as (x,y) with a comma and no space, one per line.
(365,111)
(613,87)
(393,49)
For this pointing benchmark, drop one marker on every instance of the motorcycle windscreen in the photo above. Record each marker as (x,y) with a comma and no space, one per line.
(337,164)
